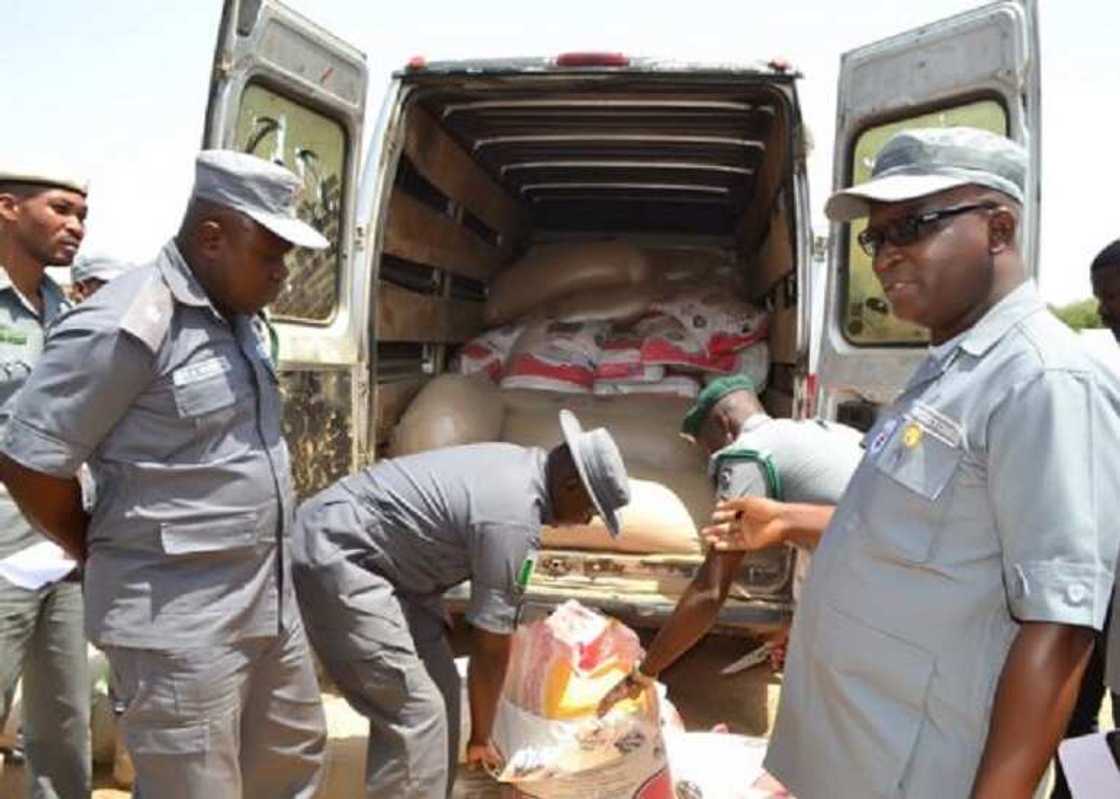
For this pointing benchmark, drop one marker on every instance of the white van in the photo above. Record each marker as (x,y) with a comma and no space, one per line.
(470,162)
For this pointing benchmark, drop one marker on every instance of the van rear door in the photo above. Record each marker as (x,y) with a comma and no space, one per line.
(979,69)
(286,90)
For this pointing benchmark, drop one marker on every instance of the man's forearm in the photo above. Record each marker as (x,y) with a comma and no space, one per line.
(1035,696)
(695,613)
(486,675)
(52,504)
(804,523)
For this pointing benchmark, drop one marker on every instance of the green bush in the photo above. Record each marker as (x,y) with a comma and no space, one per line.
(1079,315)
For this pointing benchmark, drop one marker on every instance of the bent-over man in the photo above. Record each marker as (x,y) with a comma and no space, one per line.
(374,554)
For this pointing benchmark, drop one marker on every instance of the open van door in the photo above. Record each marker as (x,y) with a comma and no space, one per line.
(978,69)
(286,90)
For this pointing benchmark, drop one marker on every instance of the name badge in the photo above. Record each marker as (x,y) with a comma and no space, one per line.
(937,424)
(195,372)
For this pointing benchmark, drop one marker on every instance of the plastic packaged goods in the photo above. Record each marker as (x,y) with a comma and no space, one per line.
(555,356)
(621,360)
(487,353)
(548,272)
(753,362)
(720,322)
(555,745)
(450,410)
(667,342)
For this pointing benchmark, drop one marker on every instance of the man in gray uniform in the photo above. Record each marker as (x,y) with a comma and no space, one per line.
(89,273)
(160,383)
(950,609)
(373,555)
(42,221)
(751,455)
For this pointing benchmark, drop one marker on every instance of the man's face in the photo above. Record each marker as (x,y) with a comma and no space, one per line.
(1106,288)
(946,274)
(248,266)
(48,224)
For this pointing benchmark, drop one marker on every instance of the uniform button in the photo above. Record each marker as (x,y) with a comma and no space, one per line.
(1076,593)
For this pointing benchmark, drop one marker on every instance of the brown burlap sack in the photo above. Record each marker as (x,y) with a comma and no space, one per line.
(450,410)
(665,513)
(646,428)
(548,272)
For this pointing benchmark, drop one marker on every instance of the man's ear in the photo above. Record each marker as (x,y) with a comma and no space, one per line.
(9,206)
(209,238)
(1002,227)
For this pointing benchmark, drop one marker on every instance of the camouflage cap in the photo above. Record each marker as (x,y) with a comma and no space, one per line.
(707,399)
(916,163)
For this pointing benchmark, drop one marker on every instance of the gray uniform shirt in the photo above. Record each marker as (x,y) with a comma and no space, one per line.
(985,499)
(177,412)
(461,513)
(22,331)
(814,458)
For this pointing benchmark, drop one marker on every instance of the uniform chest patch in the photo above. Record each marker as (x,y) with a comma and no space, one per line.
(195,372)
(883,436)
(10,335)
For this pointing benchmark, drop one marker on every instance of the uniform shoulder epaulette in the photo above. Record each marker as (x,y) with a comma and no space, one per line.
(148,316)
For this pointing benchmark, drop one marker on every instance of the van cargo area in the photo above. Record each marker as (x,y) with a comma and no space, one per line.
(486,161)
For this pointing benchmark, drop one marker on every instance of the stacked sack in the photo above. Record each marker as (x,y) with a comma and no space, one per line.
(612,319)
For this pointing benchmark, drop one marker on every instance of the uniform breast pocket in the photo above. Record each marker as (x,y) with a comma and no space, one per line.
(907,502)
(203,387)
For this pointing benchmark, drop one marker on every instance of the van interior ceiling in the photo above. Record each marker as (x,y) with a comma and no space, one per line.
(491,164)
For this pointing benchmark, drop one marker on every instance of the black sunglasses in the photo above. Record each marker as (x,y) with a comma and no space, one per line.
(910,228)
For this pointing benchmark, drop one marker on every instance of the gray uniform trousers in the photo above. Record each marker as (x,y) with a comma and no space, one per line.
(388,655)
(242,720)
(41,636)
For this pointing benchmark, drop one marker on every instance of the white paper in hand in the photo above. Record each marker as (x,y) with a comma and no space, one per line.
(37,565)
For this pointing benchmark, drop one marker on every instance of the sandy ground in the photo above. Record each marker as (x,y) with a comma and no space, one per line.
(746,702)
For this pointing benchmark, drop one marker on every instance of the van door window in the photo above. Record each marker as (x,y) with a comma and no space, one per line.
(313,146)
(868,320)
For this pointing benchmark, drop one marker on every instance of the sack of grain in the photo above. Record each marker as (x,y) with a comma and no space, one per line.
(619,304)
(555,356)
(669,385)
(621,361)
(548,272)
(487,352)
(662,517)
(666,341)
(646,429)
(720,322)
(753,362)
(449,411)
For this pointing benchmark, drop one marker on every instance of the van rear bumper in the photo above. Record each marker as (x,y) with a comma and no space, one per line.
(738,617)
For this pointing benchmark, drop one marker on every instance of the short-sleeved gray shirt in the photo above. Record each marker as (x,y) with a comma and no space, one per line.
(461,513)
(22,331)
(985,499)
(814,459)
(177,412)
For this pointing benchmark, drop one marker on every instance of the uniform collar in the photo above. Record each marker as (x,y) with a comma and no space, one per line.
(184,286)
(544,501)
(53,298)
(1000,318)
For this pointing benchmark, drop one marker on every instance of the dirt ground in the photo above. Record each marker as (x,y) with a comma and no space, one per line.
(746,702)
